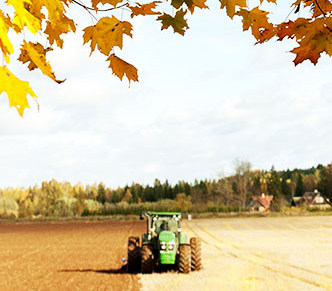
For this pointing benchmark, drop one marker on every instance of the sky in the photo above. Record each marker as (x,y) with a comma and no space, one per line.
(202,101)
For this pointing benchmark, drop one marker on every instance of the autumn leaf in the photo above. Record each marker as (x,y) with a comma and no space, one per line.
(23,17)
(318,7)
(106,34)
(35,54)
(255,19)
(5,44)
(144,9)
(231,5)
(103,2)
(55,29)
(316,39)
(178,22)
(191,4)
(15,89)
(121,68)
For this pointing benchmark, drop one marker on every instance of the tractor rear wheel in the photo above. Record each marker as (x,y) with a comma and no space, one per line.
(184,259)
(196,261)
(133,254)
(147,259)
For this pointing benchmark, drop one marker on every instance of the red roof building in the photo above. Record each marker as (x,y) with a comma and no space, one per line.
(260,203)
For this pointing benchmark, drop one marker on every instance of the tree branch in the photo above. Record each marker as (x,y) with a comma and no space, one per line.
(101,10)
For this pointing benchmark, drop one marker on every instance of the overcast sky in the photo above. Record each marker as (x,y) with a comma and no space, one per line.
(201,101)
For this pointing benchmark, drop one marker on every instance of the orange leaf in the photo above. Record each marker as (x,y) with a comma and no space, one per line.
(144,9)
(121,68)
(231,4)
(256,20)
(55,29)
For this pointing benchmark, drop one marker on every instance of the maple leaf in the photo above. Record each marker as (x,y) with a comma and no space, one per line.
(318,7)
(305,53)
(15,89)
(106,34)
(55,29)
(255,19)
(54,8)
(36,55)
(121,68)
(5,44)
(23,17)
(103,2)
(178,22)
(144,9)
(230,6)
(191,4)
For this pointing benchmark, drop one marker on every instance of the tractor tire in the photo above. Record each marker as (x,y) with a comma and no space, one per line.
(147,259)
(196,251)
(133,262)
(184,259)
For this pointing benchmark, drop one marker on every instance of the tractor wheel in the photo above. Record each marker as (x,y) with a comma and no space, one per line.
(196,261)
(184,259)
(133,254)
(147,259)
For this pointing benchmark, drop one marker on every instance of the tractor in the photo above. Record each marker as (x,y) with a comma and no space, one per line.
(163,245)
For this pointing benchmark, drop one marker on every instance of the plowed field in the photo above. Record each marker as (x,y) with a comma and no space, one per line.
(66,256)
(293,253)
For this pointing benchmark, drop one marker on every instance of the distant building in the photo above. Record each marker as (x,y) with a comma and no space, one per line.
(260,203)
(312,200)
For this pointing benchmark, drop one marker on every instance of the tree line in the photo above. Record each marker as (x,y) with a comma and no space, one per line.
(225,194)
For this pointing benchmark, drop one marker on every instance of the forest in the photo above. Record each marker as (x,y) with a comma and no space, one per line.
(226,194)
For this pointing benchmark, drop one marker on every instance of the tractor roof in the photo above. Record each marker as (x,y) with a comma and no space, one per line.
(164,213)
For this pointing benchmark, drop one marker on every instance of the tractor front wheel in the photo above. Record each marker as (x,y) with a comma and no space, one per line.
(147,259)
(133,254)
(196,261)
(184,259)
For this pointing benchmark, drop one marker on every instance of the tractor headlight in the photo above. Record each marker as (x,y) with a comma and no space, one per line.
(171,245)
(163,245)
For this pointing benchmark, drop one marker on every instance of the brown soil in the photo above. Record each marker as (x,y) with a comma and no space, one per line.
(66,256)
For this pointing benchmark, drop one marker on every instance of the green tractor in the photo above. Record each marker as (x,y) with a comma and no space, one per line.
(163,245)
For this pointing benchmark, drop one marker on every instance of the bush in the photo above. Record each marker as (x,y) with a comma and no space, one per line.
(8,207)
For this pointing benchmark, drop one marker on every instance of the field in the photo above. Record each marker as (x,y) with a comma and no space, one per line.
(292,253)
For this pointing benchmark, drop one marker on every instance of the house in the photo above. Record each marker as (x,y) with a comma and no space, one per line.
(312,200)
(260,203)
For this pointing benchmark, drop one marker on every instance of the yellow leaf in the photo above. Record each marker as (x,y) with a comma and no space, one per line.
(106,34)
(36,55)
(144,9)
(231,4)
(5,44)
(121,68)
(16,90)
(23,17)
(178,22)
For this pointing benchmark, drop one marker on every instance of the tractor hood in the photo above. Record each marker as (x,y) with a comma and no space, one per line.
(166,236)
